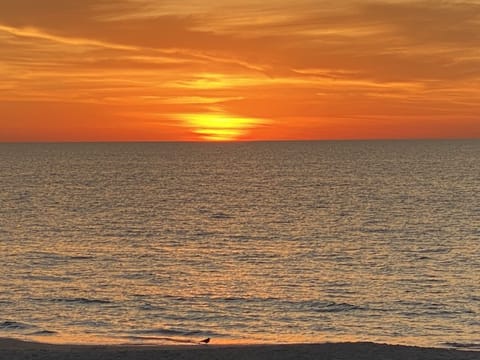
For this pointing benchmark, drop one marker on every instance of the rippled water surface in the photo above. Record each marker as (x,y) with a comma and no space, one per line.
(241,242)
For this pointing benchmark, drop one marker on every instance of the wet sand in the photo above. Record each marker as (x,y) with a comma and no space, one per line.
(20,350)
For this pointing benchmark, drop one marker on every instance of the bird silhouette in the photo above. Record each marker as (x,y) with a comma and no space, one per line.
(205,341)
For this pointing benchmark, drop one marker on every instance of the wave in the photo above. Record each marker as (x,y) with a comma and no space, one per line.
(312,305)
(205,233)
(177,332)
(43,332)
(169,331)
(80,257)
(464,346)
(162,339)
(212,298)
(338,307)
(378,231)
(326,306)
(15,325)
(220,216)
(56,257)
(50,278)
(81,300)
(437,313)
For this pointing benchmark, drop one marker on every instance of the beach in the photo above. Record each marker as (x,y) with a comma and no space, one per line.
(19,350)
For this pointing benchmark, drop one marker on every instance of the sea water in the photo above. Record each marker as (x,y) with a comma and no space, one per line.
(260,242)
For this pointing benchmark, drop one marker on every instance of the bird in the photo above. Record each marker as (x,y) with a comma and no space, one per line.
(205,341)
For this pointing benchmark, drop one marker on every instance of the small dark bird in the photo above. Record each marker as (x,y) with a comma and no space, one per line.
(205,341)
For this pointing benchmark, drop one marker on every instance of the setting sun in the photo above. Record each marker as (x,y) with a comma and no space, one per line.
(220,126)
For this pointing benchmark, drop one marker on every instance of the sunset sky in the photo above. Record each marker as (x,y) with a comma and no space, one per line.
(162,70)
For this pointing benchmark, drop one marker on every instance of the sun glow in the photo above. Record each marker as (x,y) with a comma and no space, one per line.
(220,126)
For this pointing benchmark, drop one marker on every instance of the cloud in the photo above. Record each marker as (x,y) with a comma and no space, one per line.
(32,32)
(271,60)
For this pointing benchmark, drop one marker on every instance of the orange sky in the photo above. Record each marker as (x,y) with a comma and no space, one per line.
(155,70)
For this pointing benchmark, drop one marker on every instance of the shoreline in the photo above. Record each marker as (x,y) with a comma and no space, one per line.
(14,349)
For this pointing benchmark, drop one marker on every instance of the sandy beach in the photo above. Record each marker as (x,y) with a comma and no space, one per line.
(18,350)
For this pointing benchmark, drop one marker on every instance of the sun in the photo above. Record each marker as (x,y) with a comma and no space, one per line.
(220,126)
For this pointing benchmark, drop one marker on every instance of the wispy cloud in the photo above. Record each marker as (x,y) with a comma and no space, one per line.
(38,34)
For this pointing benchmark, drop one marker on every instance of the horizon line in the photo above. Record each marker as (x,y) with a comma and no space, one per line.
(234,141)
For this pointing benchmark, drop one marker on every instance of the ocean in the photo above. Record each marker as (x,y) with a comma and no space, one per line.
(261,242)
